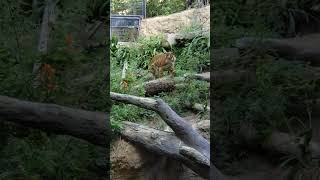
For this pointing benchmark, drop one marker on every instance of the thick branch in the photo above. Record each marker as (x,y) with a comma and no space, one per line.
(182,129)
(90,126)
(46,26)
(142,102)
(94,29)
(166,143)
(202,77)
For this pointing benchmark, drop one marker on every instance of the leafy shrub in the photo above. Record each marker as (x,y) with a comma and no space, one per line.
(164,7)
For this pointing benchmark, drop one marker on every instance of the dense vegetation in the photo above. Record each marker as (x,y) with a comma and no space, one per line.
(71,76)
(265,104)
(154,7)
(190,59)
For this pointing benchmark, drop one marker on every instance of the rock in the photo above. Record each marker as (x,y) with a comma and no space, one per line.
(175,22)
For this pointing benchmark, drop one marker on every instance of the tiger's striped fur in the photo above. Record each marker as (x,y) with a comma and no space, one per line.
(162,62)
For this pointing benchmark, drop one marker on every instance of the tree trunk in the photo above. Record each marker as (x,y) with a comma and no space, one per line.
(90,126)
(48,21)
(154,87)
(167,144)
(194,150)
(182,129)
(304,48)
(166,84)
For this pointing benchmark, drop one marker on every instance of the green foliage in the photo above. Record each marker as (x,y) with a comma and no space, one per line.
(153,7)
(113,46)
(164,7)
(194,27)
(278,16)
(148,48)
(98,10)
(140,55)
(28,158)
(195,56)
(130,7)
(79,80)
(189,58)
(265,104)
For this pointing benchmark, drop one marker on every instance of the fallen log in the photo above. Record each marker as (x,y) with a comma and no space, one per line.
(280,142)
(183,130)
(202,77)
(166,84)
(167,144)
(305,48)
(180,39)
(197,107)
(188,135)
(90,126)
(156,86)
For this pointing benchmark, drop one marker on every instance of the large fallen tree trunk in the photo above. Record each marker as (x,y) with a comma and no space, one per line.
(165,143)
(198,151)
(183,130)
(157,86)
(90,126)
(304,48)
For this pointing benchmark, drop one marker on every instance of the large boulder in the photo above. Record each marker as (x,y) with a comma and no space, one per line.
(173,23)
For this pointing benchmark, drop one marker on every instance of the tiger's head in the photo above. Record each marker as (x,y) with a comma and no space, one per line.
(170,56)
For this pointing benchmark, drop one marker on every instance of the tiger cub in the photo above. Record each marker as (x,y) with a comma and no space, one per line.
(162,62)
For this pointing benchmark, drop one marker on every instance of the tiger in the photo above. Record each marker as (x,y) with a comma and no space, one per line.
(162,62)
